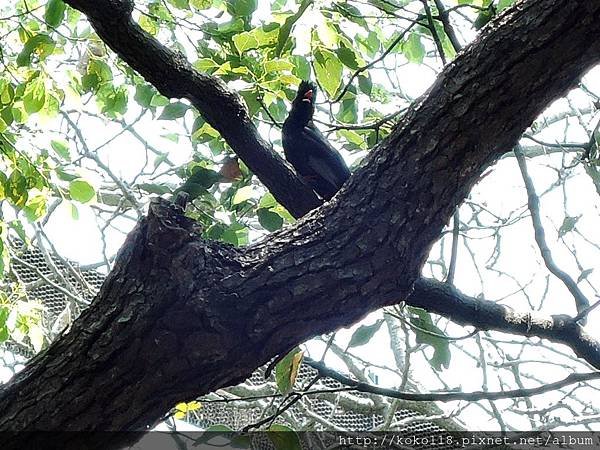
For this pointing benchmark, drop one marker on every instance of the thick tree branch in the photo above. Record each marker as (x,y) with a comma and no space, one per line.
(445,300)
(172,74)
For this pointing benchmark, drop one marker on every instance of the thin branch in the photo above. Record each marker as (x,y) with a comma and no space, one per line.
(433,31)
(448,396)
(448,28)
(454,254)
(581,301)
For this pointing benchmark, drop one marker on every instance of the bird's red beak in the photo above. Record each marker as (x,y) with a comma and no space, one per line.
(308,96)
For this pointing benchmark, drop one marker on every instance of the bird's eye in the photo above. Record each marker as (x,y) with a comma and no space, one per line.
(308,95)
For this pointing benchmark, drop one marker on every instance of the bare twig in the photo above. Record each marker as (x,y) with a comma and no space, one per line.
(581,301)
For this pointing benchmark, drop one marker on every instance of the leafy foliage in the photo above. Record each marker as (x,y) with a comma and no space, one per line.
(286,370)
(428,333)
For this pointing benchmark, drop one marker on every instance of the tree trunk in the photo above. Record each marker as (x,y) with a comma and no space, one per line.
(179,316)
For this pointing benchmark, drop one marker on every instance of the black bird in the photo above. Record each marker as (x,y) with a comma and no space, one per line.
(307,149)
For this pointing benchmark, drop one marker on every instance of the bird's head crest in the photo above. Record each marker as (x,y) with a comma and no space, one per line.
(307,92)
(303,105)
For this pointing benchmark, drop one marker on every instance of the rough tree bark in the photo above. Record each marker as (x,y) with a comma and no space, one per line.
(179,316)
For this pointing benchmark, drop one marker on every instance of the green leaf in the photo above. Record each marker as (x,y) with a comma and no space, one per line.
(35,208)
(214,232)
(284,438)
(205,133)
(502,4)
(484,17)
(286,28)
(269,220)
(242,194)
(329,70)
(365,84)
(4,258)
(4,311)
(74,211)
(16,188)
(90,82)
(251,100)
(228,29)
(61,148)
(203,176)
(287,369)
(354,139)
(425,334)
(568,225)
(348,112)
(364,333)
(194,190)
(267,34)
(207,64)
(227,68)
(347,57)
(267,201)
(236,234)
(173,111)
(149,24)
(159,100)
(197,125)
(201,4)
(370,44)
(143,95)
(278,65)
(326,33)
(301,68)
(173,137)
(154,188)
(81,191)
(100,69)
(3,315)
(4,335)
(55,12)
(180,4)
(65,176)
(351,13)
(35,95)
(50,109)
(241,8)
(210,432)
(42,44)
(161,158)
(413,49)
(17,226)
(112,101)
(245,41)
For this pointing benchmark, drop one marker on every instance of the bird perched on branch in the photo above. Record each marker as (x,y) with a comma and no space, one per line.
(307,149)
